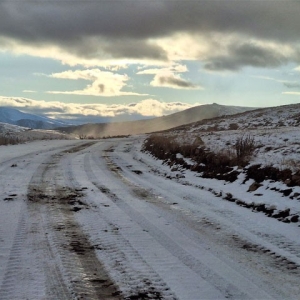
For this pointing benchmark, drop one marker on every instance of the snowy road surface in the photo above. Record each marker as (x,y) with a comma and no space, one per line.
(96,220)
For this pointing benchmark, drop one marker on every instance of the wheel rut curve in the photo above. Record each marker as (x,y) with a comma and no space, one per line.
(67,266)
(118,167)
(208,275)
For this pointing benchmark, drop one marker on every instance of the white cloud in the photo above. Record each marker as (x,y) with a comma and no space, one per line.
(152,107)
(147,107)
(169,77)
(175,68)
(292,93)
(28,91)
(104,83)
(186,46)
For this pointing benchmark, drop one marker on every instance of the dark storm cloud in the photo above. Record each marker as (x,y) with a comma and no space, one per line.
(60,20)
(247,55)
(175,82)
(134,49)
(292,85)
(126,25)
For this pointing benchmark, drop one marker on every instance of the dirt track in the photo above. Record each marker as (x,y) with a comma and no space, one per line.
(95,222)
(49,194)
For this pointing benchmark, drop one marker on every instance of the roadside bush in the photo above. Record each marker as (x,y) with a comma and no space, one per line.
(210,164)
(244,147)
(233,126)
(161,146)
(220,165)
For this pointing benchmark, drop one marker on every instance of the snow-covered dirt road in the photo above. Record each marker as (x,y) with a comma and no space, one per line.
(97,220)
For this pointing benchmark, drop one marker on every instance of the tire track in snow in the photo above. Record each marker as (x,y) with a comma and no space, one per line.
(279,240)
(258,250)
(58,261)
(194,263)
(11,275)
(83,274)
(21,158)
(18,277)
(136,278)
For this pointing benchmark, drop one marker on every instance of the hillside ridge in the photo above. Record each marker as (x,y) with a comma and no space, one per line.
(190,115)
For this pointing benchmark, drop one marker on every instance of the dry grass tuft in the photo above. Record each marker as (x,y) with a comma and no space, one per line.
(8,140)
(244,147)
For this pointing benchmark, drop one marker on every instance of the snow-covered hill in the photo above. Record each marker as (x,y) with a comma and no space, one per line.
(275,131)
(266,118)
(252,159)
(16,117)
(13,134)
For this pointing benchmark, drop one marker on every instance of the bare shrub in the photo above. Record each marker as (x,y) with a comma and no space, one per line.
(244,147)
(230,155)
(161,146)
(210,164)
(8,140)
(165,147)
(233,126)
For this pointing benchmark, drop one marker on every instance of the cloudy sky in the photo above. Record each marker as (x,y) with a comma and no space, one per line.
(147,57)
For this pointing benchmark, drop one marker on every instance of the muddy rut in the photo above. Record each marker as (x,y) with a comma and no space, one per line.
(79,274)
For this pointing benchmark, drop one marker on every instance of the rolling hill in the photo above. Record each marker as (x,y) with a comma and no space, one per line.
(157,124)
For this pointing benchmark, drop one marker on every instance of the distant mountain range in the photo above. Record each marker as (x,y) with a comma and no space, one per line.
(13,116)
(110,128)
(190,115)
(16,117)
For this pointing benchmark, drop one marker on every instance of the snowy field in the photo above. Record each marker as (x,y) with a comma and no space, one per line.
(18,134)
(103,220)
(275,131)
